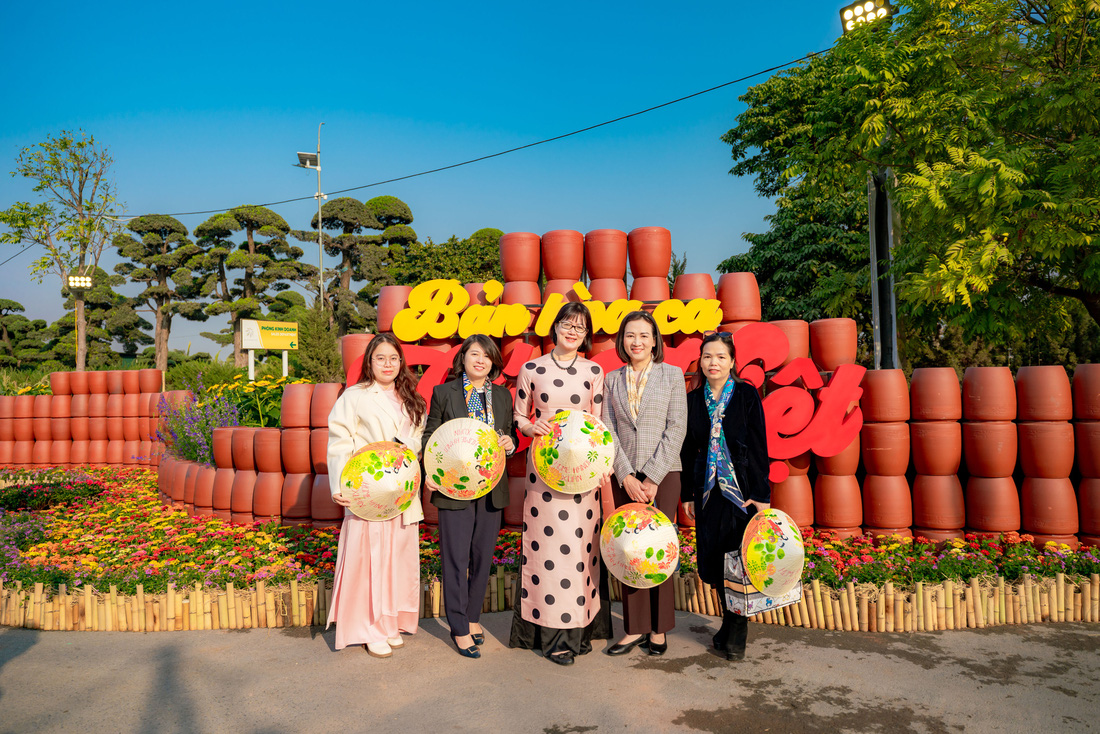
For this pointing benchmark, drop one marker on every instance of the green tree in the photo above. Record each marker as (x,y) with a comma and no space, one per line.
(112,319)
(318,356)
(159,261)
(22,341)
(475,259)
(677,267)
(75,221)
(986,111)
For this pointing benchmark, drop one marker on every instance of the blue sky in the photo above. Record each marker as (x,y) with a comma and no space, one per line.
(204,105)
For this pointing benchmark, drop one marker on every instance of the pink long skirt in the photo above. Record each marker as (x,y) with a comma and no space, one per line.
(375,592)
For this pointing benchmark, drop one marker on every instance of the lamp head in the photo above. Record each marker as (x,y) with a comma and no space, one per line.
(864,12)
(308,160)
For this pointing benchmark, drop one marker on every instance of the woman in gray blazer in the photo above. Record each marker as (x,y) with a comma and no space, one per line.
(645,406)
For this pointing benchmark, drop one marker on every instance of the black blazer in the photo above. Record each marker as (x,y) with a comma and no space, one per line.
(448,403)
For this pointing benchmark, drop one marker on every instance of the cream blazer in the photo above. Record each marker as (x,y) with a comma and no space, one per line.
(360,416)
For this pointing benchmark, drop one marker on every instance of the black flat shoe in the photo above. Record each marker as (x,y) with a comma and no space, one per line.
(565,658)
(622,648)
(654,649)
(735,654)
(469,652)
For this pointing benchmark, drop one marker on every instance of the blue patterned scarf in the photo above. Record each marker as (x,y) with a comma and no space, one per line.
(720,469)
(475,405)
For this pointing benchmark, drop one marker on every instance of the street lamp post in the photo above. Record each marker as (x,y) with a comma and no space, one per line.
(77,285)
(884,317)
(313,160)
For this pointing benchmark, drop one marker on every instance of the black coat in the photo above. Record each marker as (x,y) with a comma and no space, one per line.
(719,527)
(448,403)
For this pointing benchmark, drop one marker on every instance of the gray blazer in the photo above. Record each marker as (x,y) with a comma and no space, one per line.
(650,445)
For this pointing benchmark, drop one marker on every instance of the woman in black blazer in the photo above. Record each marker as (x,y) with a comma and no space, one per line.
(725,473)
(468,529)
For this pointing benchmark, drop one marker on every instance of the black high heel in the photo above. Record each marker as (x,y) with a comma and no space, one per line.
(470,652)
(654,649)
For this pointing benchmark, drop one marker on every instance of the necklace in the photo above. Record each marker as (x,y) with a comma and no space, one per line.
(569,366)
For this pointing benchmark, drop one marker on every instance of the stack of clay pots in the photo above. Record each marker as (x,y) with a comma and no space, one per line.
(324,512)
(939,510)
(605,264)
(990,448)
(1086,412)
(833,342)
(521,265)
(798,338)
(794,495)
(650,252)
(837,506)
(1044,408)
(884,439)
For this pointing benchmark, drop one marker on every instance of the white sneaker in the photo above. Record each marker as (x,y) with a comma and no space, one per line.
(395,642)
(378,650)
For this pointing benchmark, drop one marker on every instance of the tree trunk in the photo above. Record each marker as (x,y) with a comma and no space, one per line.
(81,332)
(160,338)
(239,357)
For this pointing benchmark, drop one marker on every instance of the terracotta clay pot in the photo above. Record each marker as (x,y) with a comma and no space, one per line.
(97,405)
(1046,449)
(523,292)
(650,252)
(884,535)
(607,290)
(7,429)
(798,338)
(146,429)
(204,486)
(1088,505)
(508,344)
(392,299)
(885,448)
(605,254)
(97,382)
(352,349)
(992,504)
(23,406)
(297,495)
(563,255)
(97,452)
(222,491)
(934,395)
(1086,392)
(178,488)
(562,286)
(431,512)
(938,502)
(1041,539)
(794,496)
(22,452)
(324,397)
(649,289)
(295,450)
(887,502)
(130,429)
(990,448)
(114,406)
(1087,438)
(43,429)
(223,447)
(7,406)
(885,396)
(318,450)
(840,533)
(22,429)
(189,480)
(1049,506)
(61,406)
(837,502)
(145,452)
(60,383)
(938,536)
(61,429)
(833,343)
(799,466)
(42,406)
(7,452)
(936,447)
(739,294)
(131,382)
(114,382)
(267,495)
(267,450)
(78,453)
(988,394)
(78,406)
(115,431)
(1043,394)
(150,380)
(519,257)
(60,452)
(244,484)
(690,286)
(477,294)
(321,505)
(243,450)
(78,383)
(131,405)
(846,462)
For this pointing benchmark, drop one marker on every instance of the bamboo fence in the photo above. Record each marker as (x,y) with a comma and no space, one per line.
(926,608)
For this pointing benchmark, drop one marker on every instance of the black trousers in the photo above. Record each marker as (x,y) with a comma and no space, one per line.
(467,538)
(651,610)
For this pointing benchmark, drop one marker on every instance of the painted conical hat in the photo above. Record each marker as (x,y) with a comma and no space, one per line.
(639,545)
(772,552)
(576,454)
(464,458)
(380,480)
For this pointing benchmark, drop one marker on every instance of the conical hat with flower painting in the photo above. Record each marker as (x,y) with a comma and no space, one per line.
(380,480)
(576,453)
(464,458)
(772,552)
(639,545)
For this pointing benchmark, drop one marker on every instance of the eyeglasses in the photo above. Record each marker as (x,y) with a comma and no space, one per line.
(568,328)
(380,359)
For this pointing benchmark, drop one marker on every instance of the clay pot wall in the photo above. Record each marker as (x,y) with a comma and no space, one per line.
(990,446)
(1048,504)
(1086,431)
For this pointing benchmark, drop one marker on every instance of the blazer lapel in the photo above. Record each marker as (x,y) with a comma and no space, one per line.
(653,384)
(383,401)
(622,395)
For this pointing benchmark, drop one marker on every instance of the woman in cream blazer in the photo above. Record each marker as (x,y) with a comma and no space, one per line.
(375,592)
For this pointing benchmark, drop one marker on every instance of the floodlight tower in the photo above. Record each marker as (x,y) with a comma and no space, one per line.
(313,161)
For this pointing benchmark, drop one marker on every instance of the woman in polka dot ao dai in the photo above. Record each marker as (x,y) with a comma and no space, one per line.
(561,608)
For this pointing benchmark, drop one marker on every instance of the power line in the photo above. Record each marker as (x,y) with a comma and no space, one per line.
(25,248)
(517,148)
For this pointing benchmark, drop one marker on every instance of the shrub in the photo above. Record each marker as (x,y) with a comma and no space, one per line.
(189,428)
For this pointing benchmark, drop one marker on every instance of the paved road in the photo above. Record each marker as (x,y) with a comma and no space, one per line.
(1040,678)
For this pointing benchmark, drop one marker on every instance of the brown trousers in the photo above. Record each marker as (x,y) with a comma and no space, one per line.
(651,610)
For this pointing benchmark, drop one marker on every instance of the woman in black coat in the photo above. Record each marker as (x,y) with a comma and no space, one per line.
(725,473)
(468,529)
